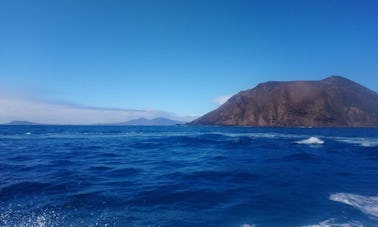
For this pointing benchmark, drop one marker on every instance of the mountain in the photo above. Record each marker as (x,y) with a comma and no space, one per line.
(332,102)
(155,121)
(22,123)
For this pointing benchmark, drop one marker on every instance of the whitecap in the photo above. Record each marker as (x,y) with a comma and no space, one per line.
(363,142)
(258,135)
(311,141)
(366,204)
(332,223)
(28,133)
(247,225)
(369,144)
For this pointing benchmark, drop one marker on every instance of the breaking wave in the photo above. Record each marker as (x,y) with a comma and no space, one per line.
(363,142)
(311,141)
(366,204)
(332,223)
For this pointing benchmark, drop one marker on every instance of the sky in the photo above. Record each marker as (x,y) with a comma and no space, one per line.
(117,60)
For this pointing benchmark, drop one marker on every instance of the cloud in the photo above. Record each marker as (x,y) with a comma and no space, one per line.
(18,107)
(221,99)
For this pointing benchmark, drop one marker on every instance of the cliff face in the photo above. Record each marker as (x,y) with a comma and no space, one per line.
(332,102)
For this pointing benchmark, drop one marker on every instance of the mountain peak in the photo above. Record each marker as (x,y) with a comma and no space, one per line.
(336,77)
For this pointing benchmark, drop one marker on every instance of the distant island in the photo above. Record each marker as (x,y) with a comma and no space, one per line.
(160,121)
(332,102)
(22,123)
(149,122)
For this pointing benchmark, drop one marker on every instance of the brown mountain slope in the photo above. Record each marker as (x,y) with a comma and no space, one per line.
(332,102)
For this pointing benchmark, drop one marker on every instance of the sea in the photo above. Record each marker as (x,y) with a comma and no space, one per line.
(188,176)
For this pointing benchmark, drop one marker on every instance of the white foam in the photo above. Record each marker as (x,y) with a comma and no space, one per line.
(267,135)
(366,204)
(369,144)
(311,140)
(247,225)
(332,223)
(364,142)
(33,220)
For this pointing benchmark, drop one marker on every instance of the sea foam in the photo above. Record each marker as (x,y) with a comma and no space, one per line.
(366,204)
(363,142)
(312,140)
(332,223)
(248,225)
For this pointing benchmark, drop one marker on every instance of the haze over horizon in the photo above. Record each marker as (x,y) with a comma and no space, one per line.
(85,62)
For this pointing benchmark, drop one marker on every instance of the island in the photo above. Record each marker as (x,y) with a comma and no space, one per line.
(331,102)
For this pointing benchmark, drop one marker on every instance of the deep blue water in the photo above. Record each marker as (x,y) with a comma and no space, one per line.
(187,176)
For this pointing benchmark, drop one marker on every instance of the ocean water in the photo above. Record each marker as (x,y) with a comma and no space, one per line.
(187,176)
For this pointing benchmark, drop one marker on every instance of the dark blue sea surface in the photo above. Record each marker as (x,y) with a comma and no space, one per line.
(187,176)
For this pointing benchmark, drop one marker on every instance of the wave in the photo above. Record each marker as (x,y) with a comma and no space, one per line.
(73,134)
(189,135)
(302,156)
(23,216)
(363,142)
(12,218)
(24,188)
(263,135)
(332,223)
(366,204)
(311,141)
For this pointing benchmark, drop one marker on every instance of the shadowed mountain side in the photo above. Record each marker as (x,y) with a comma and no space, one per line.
(332,102)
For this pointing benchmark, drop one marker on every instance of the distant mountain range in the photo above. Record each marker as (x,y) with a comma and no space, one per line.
(332,102)
(140,121)
(150,122)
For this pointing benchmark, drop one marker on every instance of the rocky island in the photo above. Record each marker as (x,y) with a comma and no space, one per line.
(332,102)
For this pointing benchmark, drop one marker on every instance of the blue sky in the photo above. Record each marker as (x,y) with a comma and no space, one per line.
(177,56)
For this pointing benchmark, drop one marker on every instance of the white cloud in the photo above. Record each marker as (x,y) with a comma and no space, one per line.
(221,99)
(14,107)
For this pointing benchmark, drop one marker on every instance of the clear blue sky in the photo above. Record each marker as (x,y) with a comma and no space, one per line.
(178,56)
